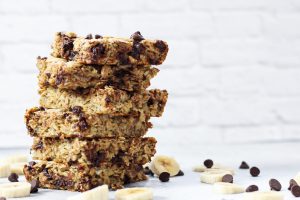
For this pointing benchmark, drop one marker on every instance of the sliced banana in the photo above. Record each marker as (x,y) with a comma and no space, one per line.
(98,193)
(227,188)
(199,168)
(202,168)
(213,176)
(272,195)
(17,168)
(164,164)
(16,159)
(134,194)
(4,170)
(15,189)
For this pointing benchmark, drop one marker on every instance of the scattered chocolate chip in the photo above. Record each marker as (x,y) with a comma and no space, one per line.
(275,184)
(123,58)
(208,163)
(148,171)
(48,75)
(292,183)
(39,145)
(97,51)
(89,36)
(67,46)
(82,124)
(34,186)
(13,177)
(59,79)
(2,198)
(76,110)
(97,36)
(164,177)
(137,49)
(46,173)
(254,171)
(41,108)
(180,173)
(296,190)
(160,45)
(137,36)
(227,178)
(244,165)
(107,100)
(252,188)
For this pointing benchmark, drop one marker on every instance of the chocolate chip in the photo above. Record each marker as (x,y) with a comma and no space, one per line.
(254,171)
(244,165)
(160,45)
(34,186)
(292,183)
(59,79)
(46,173)
(148,171)
(153,61)
(97,36)
(164,177)
(39,145)
(89,36)
(76,110)
(2,198)
(208,163)
(137,49)
(275,184)
(137,36)
(97,51)
(107,100)
(227,178)
(296,190)
(180,173)
(48,75)
(67,47)
(31,163)
(41,108)
(82,124)
(13,177)
(123,58)
(252,188)
(95,157)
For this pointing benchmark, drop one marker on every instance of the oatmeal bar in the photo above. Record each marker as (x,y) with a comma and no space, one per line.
(94,152)
(106,101)
(109,50)
(53,175)
(59,73)
(56,123)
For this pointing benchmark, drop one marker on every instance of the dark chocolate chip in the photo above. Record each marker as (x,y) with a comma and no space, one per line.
(39,145)
(2,198)
(180,173)
(254,171)
(13,177)
(97,36)
(244,165)
(97,51)
(76,110)
(227,178)
(275,184)
(292,183)
(107,100)
(296,190)
(252,188)
(32,163)
(46,173)
(160,45)
(59,79)
(148,171)
(89,36)
(164,177)
(82,124)
(137,36)
(123,58)
(67,46)
(48,75)
(153,61)
(41,108)
(95,157)
(208,163)
(137,49)
(34,186)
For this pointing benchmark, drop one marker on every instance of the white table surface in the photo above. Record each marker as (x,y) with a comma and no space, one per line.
(277,160)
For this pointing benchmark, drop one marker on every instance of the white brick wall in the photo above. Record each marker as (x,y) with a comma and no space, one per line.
(232,72)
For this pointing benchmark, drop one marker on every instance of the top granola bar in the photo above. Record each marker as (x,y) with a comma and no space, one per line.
(105,50)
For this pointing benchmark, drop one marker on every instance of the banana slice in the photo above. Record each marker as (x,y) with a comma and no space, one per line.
(202,168)
(227,188)
(16,158)
(199,168)
(272,195)
(4,170)
(15,189)
(164,164)
(17,168)
(213,176)
(134,194)
(98,193)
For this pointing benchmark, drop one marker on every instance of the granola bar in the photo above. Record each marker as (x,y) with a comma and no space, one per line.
(94,152)
(106,101)
(60,176)
(64,74)
(109,50)
(56,123)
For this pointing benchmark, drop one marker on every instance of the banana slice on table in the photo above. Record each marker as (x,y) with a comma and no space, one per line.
(17,168)
(202,168)
(164,164)
(227,188)
(134,194)
(15,189)
(98,193)
(199,168)
(213,176)
(4,170)
(272,195)
(16,159)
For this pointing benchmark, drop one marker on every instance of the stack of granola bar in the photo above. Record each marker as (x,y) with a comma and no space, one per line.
(94,111)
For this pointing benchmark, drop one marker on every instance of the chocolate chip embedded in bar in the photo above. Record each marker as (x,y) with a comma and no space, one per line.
(59,73)
(105,50)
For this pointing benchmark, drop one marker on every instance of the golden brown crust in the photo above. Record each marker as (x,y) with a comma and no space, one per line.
(109,50)
(63,74)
